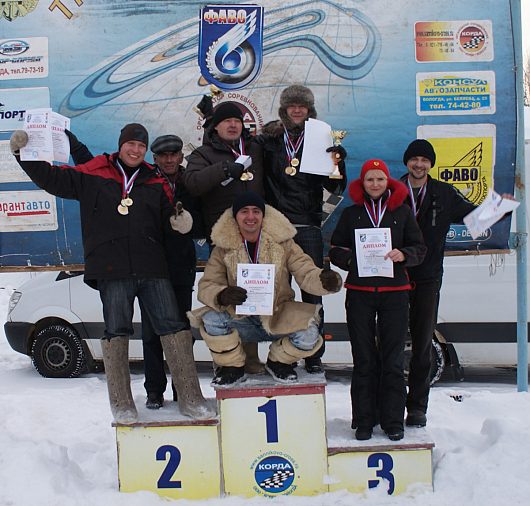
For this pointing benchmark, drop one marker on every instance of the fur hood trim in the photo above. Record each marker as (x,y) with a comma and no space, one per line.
(225,233)
(398,193)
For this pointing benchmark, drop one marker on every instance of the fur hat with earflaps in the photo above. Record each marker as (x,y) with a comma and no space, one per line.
(296,94)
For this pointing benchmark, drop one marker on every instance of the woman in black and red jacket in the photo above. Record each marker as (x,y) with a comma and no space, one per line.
(378,203)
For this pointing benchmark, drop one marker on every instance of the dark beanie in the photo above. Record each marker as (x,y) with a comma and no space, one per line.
(249,198)
(133,132)
(420,147)
(224,111)
(166,144)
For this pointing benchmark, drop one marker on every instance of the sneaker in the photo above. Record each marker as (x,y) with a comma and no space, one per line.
(313,365)
(395,434)
(227,375)
(363,433)
(154,401)
(283,373)
(416,418)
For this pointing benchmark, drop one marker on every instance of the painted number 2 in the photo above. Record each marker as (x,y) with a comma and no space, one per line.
(271,420)
(174,460)
(385,464)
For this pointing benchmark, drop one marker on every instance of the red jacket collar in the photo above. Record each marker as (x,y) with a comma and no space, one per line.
(398,193)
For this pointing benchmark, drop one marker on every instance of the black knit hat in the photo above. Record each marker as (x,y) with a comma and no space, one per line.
(420,147)
(166,144)
(248,198)
(133,132)
(224,111)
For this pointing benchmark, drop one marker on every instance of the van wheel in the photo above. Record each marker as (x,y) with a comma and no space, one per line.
(58,352)
(438,360)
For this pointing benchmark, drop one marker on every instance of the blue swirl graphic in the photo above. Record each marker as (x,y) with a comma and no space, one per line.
(291,31)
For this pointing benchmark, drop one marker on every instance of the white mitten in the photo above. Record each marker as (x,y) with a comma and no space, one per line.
(18,140)
(182,220)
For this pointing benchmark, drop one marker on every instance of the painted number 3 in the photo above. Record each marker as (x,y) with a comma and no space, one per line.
(174,460)
(385,464)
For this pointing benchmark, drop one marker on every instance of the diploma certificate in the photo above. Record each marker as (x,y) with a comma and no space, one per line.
(258,281)
(371,246)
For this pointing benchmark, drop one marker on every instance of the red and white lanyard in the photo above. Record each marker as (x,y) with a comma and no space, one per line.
(291,148)
(416,203)
(241,149)
(127,183)
(376,211)
(253,259)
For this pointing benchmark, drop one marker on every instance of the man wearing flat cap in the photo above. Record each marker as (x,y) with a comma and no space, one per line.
(125,211)
(251,232)
(296,194)
(181,260)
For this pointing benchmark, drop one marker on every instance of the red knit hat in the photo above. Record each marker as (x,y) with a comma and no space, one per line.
(374,164)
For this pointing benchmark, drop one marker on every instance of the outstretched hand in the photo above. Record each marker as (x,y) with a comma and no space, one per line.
(19,139)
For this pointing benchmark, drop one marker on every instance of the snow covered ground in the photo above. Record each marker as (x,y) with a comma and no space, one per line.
(57,445)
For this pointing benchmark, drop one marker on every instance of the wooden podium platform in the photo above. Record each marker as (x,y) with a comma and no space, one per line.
(269,439)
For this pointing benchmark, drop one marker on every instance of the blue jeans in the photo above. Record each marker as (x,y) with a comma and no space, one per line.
(157,302)
(250,329)
(311,242)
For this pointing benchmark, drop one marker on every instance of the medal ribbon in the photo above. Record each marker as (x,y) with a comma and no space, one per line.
(376,212)
(416,204)
(290,148)
(127,183)
(241,149)
(256,250)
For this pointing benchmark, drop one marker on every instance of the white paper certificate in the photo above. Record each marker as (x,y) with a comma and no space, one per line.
(371,246)
(46,138)
(317,138)
(258,281)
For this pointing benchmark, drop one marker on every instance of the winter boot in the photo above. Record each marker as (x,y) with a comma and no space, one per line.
(179,356)
(283,373)
(116,360)
(252,361)
(226,375)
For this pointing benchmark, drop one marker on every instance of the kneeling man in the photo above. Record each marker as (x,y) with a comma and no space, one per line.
(252,232)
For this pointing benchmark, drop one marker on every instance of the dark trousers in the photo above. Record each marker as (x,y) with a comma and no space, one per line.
(378,380)
(310,240)
(422,321)
(155,374)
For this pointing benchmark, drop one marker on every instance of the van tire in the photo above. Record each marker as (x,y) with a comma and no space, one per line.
(58,352)
(438,359)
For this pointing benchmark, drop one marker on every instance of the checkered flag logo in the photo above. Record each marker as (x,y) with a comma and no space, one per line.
(474,42)
(277,479)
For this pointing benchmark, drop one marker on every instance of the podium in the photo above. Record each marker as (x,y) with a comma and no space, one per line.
(268,440)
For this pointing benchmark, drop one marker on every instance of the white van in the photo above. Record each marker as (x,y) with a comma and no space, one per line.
(56,319)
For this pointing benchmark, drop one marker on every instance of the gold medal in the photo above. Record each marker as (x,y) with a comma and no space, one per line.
(244,176)
(128,202)
(123,210)
(290,171)
(250,176)
(295,162)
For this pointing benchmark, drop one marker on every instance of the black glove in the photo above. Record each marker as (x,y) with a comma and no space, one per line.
(340,257)
(331,281)
(80,153)
(338,150)
(205,106)
(233,169)
(232,295)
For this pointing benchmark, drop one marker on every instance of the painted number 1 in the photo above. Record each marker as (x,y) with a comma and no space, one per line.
(174,460)
(385,464)
(271,420)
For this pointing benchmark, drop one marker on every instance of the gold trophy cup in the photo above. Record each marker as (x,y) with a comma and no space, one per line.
(337,135)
